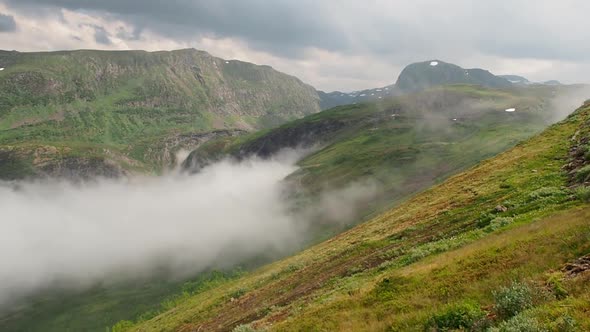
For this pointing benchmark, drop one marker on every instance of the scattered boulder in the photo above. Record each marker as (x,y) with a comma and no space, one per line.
(500,208)
(580,265)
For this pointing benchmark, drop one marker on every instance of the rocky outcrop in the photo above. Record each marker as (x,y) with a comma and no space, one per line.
(80,168)
(18,163)
(577,267)
(166,153)
(303,135)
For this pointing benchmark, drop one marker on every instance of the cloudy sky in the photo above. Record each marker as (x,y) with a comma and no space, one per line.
(331,44)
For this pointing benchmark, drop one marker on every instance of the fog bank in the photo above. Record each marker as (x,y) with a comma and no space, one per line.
(73,235)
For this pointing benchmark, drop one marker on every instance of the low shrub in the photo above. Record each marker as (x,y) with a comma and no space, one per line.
(511,300)
(583,174)
(485,219)
(237,293)
(546,192)
(460,316)
(519,323)
(245,328)
(498,223)
(555,285)
(583,193)
(565,323)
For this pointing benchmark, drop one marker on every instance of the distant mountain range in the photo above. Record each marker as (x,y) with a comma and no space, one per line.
(94,112)
(424,75)
(88,112)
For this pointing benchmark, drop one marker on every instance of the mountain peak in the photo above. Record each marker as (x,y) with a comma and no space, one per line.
(423,75)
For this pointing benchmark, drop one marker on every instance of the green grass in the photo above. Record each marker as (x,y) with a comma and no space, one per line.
(370,277)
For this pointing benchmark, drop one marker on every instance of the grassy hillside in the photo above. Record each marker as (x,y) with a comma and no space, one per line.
(499,245)
(404,144)
(107,106)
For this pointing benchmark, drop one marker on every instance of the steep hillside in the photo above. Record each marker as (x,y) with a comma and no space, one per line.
(109,111)
(502,245)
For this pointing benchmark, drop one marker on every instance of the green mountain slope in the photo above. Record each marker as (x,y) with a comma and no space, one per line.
(105,110)
(500,245)
(403,144)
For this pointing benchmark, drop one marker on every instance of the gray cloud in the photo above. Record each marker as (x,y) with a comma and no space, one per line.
(286,27)
(122,33)
(7,23)
(534,39)
(101,36)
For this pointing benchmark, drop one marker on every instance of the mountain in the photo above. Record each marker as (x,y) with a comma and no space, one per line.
(502,246)
(418,77)
(515,79)
(337,98)
(423,75)
(112,112)
(552,82)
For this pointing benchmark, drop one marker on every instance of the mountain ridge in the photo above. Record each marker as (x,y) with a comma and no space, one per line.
(107,105)
(416,77)
(444,253)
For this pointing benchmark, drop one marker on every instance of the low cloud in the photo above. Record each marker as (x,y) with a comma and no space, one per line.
(7,23)
(75,235)
(101,36)
(565,102)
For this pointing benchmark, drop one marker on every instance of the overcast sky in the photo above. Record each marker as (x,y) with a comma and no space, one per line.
(333,45)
